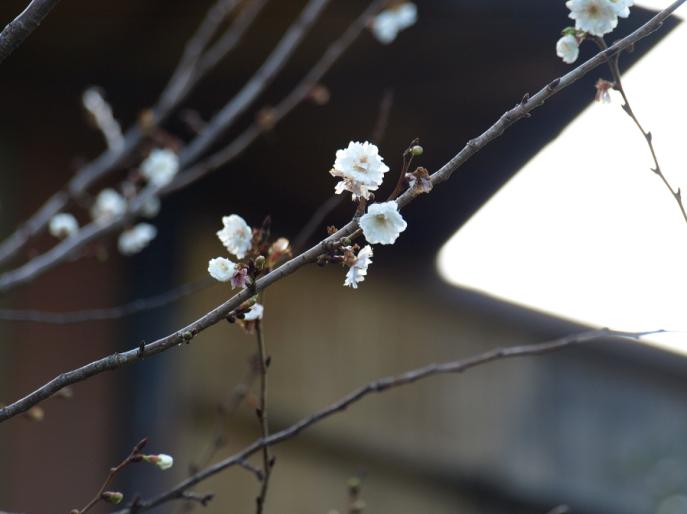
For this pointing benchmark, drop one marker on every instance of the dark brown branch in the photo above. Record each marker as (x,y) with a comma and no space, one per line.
(108,313)
(15,32)
(219,313)
(379,386)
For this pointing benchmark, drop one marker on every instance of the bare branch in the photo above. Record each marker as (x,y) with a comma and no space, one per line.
(186,334)
(15,32)
(379,386)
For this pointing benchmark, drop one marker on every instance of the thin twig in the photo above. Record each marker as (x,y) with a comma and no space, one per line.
(132,457)
(379,386)
(267,461)
(108,313)
(219,313)
(15,32)
(614,66)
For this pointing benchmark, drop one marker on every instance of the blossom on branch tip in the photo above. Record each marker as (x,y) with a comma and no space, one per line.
(382,223)
(358,268)
(135,239)
(387,24)
(236,235)
(63,225)
(162,460)
(568,48)
(160,167)
(222,269)
(361,169)
(108,204)
(597,17)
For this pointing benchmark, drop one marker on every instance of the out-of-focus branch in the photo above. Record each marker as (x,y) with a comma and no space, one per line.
(68,247)
(219,313)
(108,313)
(256,85)
(16,31)
(379,386)
(188,73)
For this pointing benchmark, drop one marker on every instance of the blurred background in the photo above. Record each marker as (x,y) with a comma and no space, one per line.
(600,428)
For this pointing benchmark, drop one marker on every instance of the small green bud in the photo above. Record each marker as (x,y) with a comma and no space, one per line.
(113,497)
(259,262)
(416,151)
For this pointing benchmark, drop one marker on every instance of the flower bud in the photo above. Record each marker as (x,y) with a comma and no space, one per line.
(416,151)
(114,497)
(161,460)
(259,262)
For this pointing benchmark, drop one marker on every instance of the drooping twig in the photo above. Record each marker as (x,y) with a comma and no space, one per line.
(218,314)
(15,32)
(108,313)
(379,386)
(613,64)
(267,460)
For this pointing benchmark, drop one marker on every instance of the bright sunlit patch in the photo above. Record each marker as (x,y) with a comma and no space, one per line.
(585,231)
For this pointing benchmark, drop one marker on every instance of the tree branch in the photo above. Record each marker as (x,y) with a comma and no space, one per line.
(379,386)
(15,32)
(186,334)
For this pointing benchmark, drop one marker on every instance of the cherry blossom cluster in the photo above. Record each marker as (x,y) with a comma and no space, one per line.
(156,171)
(361,170)
(594,18)
(255,255)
